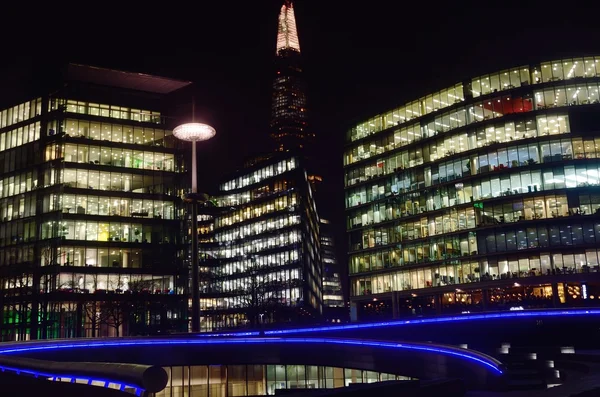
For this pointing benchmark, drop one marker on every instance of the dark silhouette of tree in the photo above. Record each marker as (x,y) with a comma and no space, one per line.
(114,313)
(17,289)
(260,295)
(138,312)
(109,310)
(117,284)
(141,286)
(92,314)
(92,309)
(48,254)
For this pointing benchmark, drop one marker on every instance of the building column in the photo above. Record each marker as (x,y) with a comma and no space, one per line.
(485,298)
(437,301)
(79,321)
(227,380)
(35,307)
(478,217)
(555,300)
(353,312)
(395,304)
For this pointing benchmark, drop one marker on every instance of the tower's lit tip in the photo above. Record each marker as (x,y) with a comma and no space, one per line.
(287,34)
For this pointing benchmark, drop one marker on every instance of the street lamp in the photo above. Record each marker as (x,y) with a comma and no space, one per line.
(194,132)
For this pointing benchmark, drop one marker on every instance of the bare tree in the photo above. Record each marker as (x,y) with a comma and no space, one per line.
(69,284)
(141,285)
(114,313)
(116,284)
(92,314)
(20,282)
(260,296)
(92,309)
(23,282)
(138,311)
(48,254)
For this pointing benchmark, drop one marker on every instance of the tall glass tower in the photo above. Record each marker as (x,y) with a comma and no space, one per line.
(288,111)
(289,117)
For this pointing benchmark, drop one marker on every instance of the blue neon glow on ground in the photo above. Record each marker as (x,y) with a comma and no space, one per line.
(473,356)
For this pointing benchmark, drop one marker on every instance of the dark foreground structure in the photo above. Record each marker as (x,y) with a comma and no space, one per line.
(532,353)
(190,363)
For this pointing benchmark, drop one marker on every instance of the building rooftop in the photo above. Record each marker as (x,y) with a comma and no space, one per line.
(129,80)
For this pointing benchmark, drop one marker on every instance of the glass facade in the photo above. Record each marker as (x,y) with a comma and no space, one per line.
(500,180)
(90,243)
(289,111)
(20,113)
(259,241)
(332,291)
(105,110)
(260,380)
(332,285)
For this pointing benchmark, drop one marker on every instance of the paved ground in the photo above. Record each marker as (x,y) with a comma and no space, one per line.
(584,384)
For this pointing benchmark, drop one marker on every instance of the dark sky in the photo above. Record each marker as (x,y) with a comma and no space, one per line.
(361,57)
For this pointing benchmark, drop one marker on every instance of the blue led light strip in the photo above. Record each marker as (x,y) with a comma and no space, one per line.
(433,320)
(74,378)
(479,358)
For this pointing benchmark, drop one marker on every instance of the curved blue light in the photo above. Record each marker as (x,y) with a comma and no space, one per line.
(19,371)
(12,349)
(432,320)
(481,359)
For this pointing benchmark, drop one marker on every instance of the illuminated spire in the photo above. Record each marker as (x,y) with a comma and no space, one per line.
(287,35)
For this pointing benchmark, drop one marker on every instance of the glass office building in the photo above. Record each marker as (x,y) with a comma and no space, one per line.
(260,380)
(90,239)
(332,291)
(483,195)
(260,248)
(334,306)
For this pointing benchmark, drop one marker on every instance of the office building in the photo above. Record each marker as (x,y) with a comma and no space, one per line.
(481,196)
(90,239)
(260,249)
(334,306)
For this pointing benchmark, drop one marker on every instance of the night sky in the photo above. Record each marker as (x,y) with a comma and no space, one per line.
(360,57)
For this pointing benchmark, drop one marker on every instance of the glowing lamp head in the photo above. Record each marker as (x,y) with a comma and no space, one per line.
(194,132)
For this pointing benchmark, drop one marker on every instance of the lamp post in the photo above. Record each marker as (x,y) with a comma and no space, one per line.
(194,132)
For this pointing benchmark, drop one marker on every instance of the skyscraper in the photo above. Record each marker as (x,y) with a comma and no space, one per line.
(289,118)
(262,242)
(288,109)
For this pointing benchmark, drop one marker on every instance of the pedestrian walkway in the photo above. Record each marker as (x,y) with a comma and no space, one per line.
(578,384)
